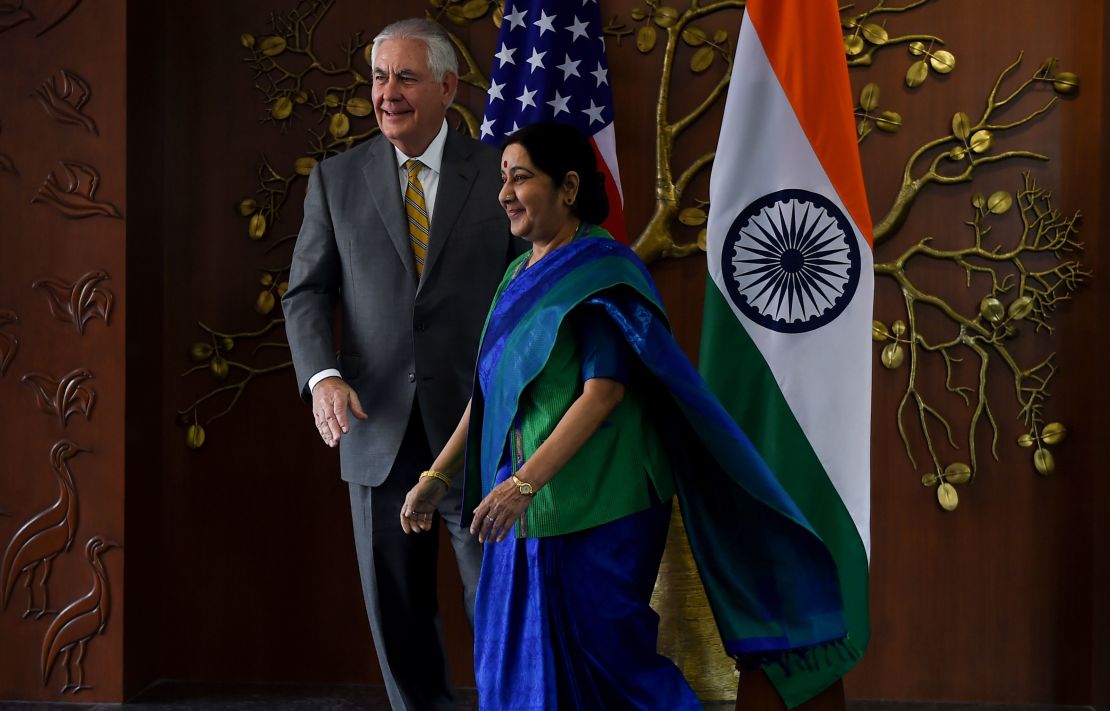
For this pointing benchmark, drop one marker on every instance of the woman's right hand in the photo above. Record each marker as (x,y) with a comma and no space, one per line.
(419,509)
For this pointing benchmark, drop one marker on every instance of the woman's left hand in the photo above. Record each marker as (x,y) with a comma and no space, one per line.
(499,511)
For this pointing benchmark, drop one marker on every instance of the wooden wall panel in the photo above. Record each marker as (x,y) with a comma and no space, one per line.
(65,234)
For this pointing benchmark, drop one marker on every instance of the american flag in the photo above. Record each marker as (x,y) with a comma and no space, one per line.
(550,66)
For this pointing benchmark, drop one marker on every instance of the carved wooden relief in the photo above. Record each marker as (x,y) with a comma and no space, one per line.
(7,165)
(78,301)
(9,344)
(44,536)
(14,13)
(63,96)
(79,622)
(72,192)
(63,396)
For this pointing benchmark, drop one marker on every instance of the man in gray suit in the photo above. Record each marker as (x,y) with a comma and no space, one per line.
(412,298)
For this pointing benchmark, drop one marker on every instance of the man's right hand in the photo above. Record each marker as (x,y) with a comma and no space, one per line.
(331,397)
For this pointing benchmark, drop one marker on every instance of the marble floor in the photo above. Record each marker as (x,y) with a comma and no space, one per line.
(270,697)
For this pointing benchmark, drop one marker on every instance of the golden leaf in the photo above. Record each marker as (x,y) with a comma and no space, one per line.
(702,59)
(957,473)
(915,75)
(958,153)
(638,14)
(455,14)
(340,125)
(692,216)
(875,34)
(666,16)
(999,202)
(992,309)
(272,46)
(194,436)
(475,9)
(898,328)
(264,304)
(893,355)
(869,97)
(978,201)
(961,125)
(943,61)
(368,54)
(879,331)
(256,228)
(947,496)
(1066,83)
(929,479)
(200,351)
(357,106)
(266,280)
(498,16)
(981,141)
(720,36)
(863,127)
(247,207)
(1025,440)
(227,343)
(331,101)
(304,165)
(853,45)
(645,38)
(917,48)
(694,36)
(1044,462)
(1054,433)
(282,108)
(1020,307)
(247,40)
(889,121)
(282,287)
(703,240)
(218,367)
(301,97)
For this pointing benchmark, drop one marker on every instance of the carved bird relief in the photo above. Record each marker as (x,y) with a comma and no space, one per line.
(45,536)
(63,96)
(78,301)
(9,344)
(7,165)
(73,192)
(64,396)
(71,631)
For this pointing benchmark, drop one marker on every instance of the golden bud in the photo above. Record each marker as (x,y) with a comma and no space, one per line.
(194,436)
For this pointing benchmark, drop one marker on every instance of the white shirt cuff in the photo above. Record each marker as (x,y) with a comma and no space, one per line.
(330,372)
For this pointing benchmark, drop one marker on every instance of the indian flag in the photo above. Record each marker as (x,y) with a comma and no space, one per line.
(788,307)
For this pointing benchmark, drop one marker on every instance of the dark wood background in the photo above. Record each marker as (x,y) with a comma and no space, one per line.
(239,564)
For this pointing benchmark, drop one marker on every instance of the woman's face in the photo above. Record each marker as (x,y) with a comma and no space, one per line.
(537,208)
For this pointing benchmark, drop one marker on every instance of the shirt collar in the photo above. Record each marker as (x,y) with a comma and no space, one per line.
(432,158)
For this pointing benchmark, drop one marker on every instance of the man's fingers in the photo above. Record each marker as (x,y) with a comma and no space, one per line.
(356,406)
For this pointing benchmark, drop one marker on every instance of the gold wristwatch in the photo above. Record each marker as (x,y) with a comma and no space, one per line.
(523,487)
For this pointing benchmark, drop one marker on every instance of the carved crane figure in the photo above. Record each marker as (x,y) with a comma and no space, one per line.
(80,621)
(47,534)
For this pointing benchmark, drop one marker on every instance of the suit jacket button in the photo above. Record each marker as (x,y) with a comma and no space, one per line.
(412,377)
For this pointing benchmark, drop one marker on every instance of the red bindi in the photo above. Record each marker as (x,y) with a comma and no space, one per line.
(504,164)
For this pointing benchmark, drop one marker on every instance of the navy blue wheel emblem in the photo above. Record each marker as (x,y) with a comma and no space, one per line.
(790,261)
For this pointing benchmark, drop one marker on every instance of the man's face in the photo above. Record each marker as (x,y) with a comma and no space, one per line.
(409,102)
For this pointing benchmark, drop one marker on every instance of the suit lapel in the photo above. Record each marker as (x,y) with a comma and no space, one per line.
(456,179)
(380,172)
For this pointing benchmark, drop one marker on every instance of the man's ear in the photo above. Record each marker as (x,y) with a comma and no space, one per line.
(450,86)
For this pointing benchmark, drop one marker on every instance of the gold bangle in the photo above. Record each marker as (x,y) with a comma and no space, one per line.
(433,474)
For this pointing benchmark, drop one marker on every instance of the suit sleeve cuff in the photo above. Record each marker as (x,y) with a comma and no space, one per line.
(330,372)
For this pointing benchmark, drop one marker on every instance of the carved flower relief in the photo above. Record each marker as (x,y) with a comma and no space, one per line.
(63,96)
(78,301)
(9,344)
(72,190)
(63,396)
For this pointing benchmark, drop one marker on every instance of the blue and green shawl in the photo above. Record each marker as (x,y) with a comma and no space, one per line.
(770,580)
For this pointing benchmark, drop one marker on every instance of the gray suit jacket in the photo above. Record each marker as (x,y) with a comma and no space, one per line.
(399,338)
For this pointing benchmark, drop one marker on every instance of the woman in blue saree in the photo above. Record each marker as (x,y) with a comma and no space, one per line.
(585,421)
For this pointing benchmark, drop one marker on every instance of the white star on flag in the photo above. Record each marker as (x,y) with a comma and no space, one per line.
(602,74)
(559,103)
(536,60)
(525,99)
(505,55)
(594,112)
(495,90)
(516,19)
(578,29)
(570,68)
(487,127)
(545,23)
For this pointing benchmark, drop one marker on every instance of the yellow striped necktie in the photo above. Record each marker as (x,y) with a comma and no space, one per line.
(417,211)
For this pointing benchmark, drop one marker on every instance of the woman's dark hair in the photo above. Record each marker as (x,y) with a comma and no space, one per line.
(557,149)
